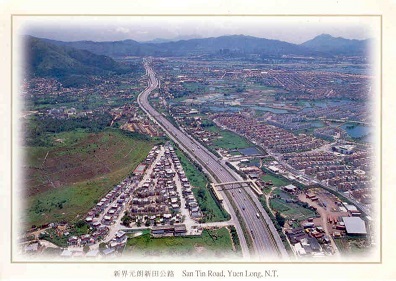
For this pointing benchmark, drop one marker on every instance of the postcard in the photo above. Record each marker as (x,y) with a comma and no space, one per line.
(207,145)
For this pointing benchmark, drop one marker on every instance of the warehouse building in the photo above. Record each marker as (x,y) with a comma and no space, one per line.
(354,226)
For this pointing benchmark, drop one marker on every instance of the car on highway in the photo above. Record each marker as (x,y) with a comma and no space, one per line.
(258,215)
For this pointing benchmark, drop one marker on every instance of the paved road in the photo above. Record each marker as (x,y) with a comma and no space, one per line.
(266,243)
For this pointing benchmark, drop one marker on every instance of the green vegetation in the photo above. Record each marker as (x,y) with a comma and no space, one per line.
(280,219)
(351,246)
(235,238)
(78,229)
(210,208)
(229,140)
(277,226)
(81,228)
(211,242)
(51,236)
(195,176)
(86,248)
(77,172)
(276,181)
(289,210)
(40,130)
(126,219)
(71,66)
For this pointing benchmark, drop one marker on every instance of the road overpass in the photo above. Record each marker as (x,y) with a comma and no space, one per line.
(260,233)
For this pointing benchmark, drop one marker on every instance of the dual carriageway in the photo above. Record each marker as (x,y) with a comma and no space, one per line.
(264,240)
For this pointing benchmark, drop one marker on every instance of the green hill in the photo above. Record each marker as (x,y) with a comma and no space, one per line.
(71,66)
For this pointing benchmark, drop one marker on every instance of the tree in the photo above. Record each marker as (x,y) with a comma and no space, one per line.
(280,219)
(201,194)
(126,219)
(102,246)
(80,224)
(86,248)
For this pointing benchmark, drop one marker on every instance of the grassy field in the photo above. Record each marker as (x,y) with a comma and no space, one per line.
(228,140)
(290,210)
(206,201)
(276,181)
(65,180)
(195,177)
(231,140)
(211,243)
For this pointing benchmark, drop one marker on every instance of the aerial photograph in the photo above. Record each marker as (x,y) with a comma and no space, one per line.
(148,138)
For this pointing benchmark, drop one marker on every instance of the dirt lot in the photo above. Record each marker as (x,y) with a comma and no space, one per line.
(326,207)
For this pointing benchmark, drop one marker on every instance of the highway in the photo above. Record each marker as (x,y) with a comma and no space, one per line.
(265,242)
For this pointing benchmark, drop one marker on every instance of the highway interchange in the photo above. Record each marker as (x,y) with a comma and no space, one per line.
(265,241)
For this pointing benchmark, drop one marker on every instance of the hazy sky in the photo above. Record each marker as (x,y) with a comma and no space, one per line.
(145,28)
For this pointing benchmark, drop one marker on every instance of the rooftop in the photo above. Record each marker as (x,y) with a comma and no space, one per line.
(354,225)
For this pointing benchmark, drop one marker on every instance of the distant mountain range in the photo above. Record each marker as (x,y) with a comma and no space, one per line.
(68,64)
(237,45)
(178,38)
(73,62)
(326,43)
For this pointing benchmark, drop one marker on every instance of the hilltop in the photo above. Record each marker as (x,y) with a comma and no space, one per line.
(68,64)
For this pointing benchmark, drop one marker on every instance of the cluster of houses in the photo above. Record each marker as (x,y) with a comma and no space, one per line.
(360,159)
(99,233)
(349,111)
(64,112)
(271,137)
(112,247)
(316,85)
(112,204)
(309,241)
(292,122)
(341,173)
(330,133)
(104,214)
(308,160)
(194,127)
(159,196)
(364,195)
(335,170)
